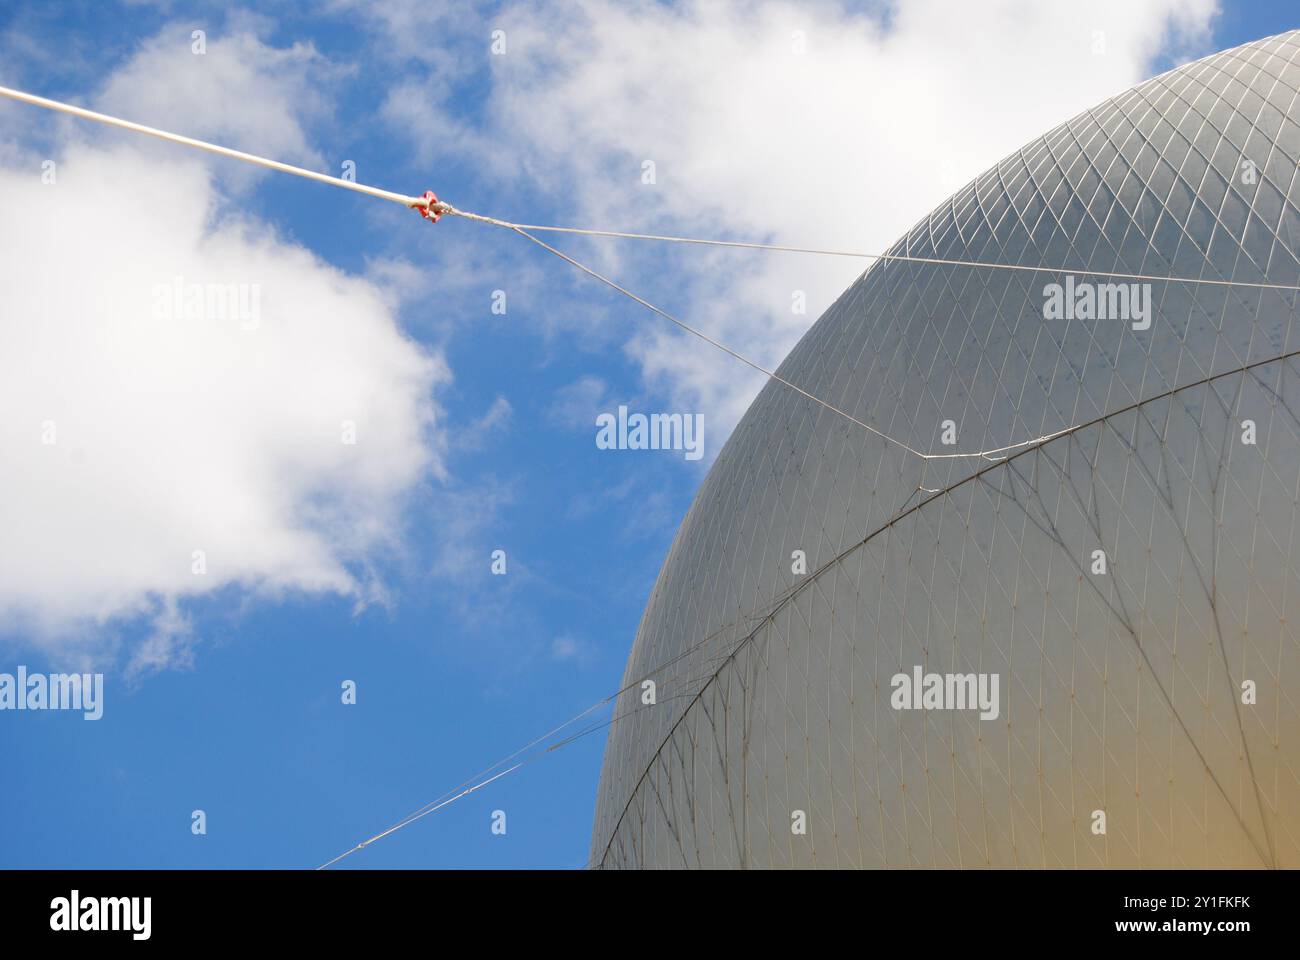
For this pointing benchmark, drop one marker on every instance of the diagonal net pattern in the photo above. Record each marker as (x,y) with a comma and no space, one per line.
(1120,692)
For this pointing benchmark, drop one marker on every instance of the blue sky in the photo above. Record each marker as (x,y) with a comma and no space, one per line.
(237,710)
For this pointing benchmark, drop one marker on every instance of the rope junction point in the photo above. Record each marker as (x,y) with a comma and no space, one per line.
(430,207)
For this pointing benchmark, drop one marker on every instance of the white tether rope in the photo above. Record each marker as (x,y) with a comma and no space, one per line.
(433,208)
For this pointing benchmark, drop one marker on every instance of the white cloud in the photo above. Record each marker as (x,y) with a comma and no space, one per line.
(215,431)
(845,144)
(423,111)
(570,649)
(240,93)
(413,29)
(468,530)
(496,418)
(576,405)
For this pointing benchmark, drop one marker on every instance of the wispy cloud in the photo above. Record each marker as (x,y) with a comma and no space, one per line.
(495,420)
(569,649)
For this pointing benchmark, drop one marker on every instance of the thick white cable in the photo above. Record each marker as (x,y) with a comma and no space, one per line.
(209,147)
